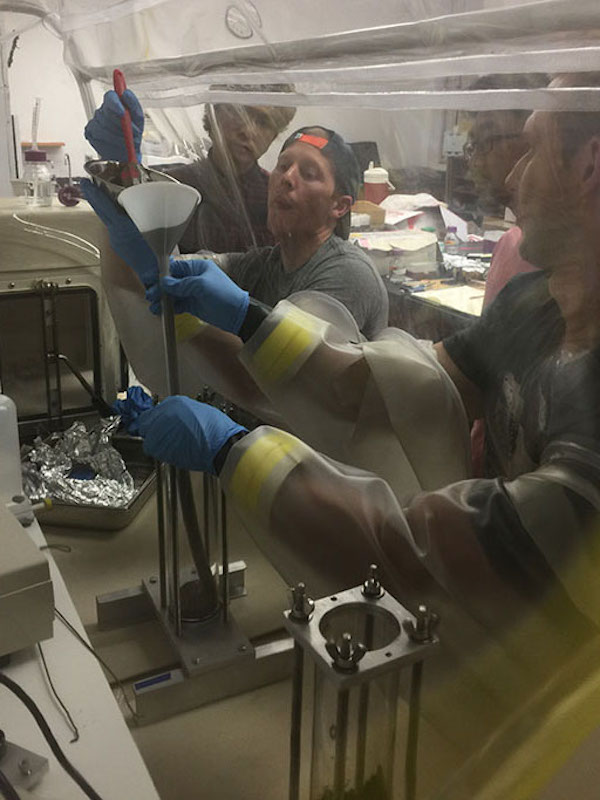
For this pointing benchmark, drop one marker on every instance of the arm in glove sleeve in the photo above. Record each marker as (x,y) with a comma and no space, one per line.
(479,552)
(186,433)
(386,406)
(125,239)
(199,287)
(209,357)
(104,131)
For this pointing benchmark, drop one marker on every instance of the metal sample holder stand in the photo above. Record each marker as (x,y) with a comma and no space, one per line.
(356,642)
(192,604)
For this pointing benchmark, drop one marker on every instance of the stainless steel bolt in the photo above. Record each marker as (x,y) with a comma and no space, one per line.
(302,605)
(372,586)
(25,767)
(68,280)
(12,285)
(152,579)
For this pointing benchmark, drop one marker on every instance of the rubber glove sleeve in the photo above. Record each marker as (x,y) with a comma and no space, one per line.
(104,130)
(199,287)
(186,433)
(125,238)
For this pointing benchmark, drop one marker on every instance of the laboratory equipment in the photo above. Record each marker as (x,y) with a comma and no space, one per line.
(37,173)
(451,241)
(348,651)
(26,597)
(59,349)
(377,183)
(10,463)
(69,195)
(39,187)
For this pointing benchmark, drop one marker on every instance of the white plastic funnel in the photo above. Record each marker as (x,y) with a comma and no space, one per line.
(161,211)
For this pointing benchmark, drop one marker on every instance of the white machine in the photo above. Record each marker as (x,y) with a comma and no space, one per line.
(26,596)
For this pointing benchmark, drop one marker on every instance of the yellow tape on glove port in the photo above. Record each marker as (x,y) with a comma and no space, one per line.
(256,465)
(283,346)
(186,326)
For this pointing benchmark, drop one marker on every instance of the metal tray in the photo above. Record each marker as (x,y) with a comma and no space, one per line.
(74,515)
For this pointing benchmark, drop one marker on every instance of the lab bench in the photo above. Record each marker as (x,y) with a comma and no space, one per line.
(433,314)
(237,747)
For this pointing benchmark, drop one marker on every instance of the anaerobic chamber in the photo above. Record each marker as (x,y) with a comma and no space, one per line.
(60,356)
(59,351)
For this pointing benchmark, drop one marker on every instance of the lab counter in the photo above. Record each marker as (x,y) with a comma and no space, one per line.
(435,312)
(228,749)
(105,753)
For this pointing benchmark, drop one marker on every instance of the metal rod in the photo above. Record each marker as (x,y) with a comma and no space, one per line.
(296,722)
(172,374)
(410,765)
(206,513)
(46,354)
(363,712)
(341,740)
(54,321)
(172,519)
(160,516)
(101,404)
(225,558)
(393,711)
(190,520)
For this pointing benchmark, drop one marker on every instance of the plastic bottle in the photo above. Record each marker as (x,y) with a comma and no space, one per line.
(10,460)
(376,180)
(40,187)
(451,241)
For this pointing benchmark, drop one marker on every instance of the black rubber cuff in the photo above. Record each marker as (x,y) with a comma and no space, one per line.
(221,457)
(255,316)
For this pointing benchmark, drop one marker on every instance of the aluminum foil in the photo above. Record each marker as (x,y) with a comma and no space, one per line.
(78,466)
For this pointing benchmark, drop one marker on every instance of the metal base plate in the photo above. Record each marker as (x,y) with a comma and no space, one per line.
(202,646)
(168,693)
(23,767)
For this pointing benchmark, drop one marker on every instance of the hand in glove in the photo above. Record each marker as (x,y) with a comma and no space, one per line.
(125,238)
(201,288)
(104,130)
(186,433)
(132,407)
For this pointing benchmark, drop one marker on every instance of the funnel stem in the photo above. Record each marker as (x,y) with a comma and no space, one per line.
(169,338)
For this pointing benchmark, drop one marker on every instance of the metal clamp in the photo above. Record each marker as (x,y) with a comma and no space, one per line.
(344,653)
(422,628)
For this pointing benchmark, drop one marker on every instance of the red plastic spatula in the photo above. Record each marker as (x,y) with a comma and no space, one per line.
(130,174)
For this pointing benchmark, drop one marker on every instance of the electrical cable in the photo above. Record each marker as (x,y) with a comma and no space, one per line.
(100,660)
(49,736)
(58,699)
(7,790)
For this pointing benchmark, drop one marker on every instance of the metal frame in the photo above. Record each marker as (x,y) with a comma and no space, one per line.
(350,665)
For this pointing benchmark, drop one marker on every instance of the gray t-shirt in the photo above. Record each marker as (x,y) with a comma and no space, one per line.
(338,268)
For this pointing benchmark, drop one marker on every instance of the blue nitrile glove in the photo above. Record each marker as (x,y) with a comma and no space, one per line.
(130,409)
(186,433)
(201,288)
(125,238)
(104,131)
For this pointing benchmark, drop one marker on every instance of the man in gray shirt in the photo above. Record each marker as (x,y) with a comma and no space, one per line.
(338,268)
(311,191)
(310,194)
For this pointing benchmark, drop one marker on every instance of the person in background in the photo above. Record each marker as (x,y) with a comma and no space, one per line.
(495,143)
(233,214)
(311,191)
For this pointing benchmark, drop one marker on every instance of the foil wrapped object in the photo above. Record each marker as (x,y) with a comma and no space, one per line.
(78,466)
